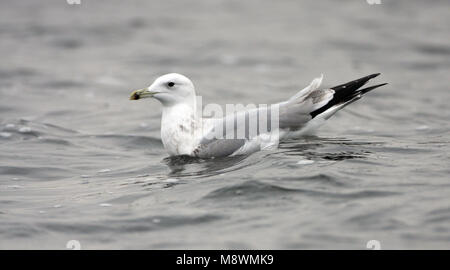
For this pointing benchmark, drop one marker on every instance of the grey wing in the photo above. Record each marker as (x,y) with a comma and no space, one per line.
(297,112)
(230,133)
(226,135)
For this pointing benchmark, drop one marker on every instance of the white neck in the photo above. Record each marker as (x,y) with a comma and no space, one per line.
(179,124)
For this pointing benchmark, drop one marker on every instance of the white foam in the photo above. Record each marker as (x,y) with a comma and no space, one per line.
(5,134)
(423,127)
(171,180)
(305,162)
(24,129)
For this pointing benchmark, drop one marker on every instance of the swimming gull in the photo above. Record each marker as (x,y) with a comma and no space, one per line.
(185,132)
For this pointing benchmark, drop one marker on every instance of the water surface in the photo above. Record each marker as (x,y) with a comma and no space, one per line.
(78,160)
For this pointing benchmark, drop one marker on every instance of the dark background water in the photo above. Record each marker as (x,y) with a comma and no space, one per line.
(78,160)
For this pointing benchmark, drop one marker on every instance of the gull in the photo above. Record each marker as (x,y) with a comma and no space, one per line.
(185,132)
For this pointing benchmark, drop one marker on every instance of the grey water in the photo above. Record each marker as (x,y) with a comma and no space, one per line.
(79,161)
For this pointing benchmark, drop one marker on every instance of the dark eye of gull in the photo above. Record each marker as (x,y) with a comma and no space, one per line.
(170,84)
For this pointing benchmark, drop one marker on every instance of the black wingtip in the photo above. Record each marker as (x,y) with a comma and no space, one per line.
(348,92)
(370,88)
(355,84)
(371,76)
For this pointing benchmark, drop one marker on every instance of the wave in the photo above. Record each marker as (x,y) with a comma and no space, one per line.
(254,189)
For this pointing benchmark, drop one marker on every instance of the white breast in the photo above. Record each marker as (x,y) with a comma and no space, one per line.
(178,126)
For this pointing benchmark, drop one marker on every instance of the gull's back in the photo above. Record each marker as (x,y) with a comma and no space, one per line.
(302,114)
